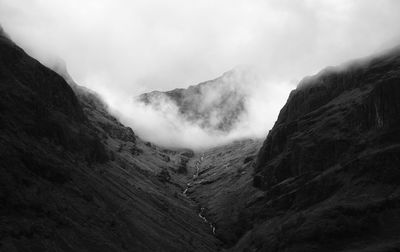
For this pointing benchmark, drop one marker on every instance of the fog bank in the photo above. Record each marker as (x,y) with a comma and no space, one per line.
(122,48)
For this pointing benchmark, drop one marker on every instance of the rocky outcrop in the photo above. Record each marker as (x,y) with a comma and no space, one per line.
(94,107)
(329,167)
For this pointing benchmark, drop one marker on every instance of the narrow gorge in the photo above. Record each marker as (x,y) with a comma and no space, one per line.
(326,178)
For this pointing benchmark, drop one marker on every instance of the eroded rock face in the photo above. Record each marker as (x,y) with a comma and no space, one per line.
(329,167)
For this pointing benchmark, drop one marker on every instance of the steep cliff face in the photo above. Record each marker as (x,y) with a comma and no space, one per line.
(329,168)
(72,178)
(337,113)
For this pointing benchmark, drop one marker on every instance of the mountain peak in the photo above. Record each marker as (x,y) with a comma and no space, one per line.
(214,105)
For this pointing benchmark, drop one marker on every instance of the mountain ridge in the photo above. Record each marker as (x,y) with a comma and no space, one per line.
(214,105)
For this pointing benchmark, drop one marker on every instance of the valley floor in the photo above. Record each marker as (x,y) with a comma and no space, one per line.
(219,183)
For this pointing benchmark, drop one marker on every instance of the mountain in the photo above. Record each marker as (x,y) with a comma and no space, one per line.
(72,178)
(214,105)
(329,168)
(326,178)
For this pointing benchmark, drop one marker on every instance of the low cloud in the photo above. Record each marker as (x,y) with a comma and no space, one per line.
(162,121)
(122,48)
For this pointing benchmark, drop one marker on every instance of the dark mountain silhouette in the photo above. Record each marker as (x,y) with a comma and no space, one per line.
(215,105)
(73,178)
(329,168)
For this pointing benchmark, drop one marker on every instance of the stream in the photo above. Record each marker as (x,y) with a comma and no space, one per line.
(188,185)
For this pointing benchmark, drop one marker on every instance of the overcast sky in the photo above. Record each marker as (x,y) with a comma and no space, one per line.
(121,48)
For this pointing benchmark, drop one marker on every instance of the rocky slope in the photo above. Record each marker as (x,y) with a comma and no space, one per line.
(72,178)
(329,168)
(214,105)
(222,184)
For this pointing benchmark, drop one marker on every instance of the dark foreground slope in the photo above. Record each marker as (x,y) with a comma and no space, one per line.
(72,178)
(330,167)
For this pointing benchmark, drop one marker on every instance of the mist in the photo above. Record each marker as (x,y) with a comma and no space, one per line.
(121,49)
(166,125)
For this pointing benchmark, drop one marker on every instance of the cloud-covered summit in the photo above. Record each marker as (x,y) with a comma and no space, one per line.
(217,105)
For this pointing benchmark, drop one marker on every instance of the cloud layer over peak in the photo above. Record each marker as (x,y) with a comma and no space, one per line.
(122,48)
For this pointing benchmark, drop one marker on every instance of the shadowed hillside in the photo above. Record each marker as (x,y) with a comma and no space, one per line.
(72,178)
(329,168)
